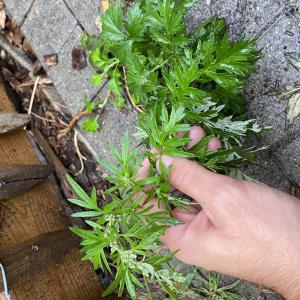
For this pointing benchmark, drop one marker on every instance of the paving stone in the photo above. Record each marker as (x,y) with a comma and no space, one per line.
(48,26)
(73,85)
(18,8)
(114,124)
(267,171)
(85,13)
(275,74)
(280,35)
(245,17)
(289,157)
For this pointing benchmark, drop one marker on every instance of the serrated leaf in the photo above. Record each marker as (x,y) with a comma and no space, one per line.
(112,22)
(97,79)
(135,23)
(90,125)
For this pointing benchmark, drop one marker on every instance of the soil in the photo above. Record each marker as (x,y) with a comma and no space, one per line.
(47,119)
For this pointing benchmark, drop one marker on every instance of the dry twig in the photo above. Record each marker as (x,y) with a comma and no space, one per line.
(33,94)
(73,122)
(292,91)
(80,156)
(128,92)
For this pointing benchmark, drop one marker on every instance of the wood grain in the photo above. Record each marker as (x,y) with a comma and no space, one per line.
(12,121)
(16,179)
(29,258)
(36,212)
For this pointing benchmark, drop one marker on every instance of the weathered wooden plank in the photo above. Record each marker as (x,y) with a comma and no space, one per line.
(16,179)
(29,258)
(37,212)
(61,173)
(12,121)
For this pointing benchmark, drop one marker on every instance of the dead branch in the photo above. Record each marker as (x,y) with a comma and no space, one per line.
(73,122)
(16,54)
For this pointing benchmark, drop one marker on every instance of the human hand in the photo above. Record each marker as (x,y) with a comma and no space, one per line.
(242,229)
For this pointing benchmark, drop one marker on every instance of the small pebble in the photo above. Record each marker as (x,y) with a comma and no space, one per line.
(51,59)
(2,54)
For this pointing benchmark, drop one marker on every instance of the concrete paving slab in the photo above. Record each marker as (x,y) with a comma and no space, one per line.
(18,9)
(86,14)
(267,169)
(48,26)
(245,17)
(275,74)
(280,35)
(72,84)
(114,123)
(289,157)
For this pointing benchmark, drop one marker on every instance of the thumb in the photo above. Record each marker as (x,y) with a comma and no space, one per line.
(204,186)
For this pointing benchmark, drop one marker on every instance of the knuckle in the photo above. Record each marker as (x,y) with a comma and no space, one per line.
(181,175)
(227,199)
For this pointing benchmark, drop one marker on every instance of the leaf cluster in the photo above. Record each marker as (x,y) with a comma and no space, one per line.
(123,238)
(201,74)
(179,79)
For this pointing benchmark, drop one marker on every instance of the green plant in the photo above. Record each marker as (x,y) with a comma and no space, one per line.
(174,80)
(212,289)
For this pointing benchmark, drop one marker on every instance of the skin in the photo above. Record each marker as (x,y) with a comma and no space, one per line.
(243,229)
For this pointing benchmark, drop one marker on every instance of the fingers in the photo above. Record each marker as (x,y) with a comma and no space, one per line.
(195,181)
(180,236)
(214,144)
(196,134)
(143,172)
(184,215)
(192,179)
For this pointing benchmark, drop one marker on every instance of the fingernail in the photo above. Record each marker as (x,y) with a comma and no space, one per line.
(196,133)
(166,160)
(214,144)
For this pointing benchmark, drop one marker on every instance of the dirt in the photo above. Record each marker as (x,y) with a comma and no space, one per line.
(47,119)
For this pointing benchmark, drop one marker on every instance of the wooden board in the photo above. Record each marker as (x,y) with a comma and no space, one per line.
(36,212)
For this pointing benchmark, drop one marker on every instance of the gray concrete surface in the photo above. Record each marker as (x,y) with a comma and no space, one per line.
(73,85)
(18,9)
(48,26)
(289,158)
(85,13)
(56,26)
(276,26)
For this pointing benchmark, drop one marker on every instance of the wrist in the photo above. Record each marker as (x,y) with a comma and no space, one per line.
(291,290)
(289,283)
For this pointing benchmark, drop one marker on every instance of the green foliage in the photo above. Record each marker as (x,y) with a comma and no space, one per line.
(124,234)
(178,79)
(212,289)
(201,74)
(89,106)
(90,124)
